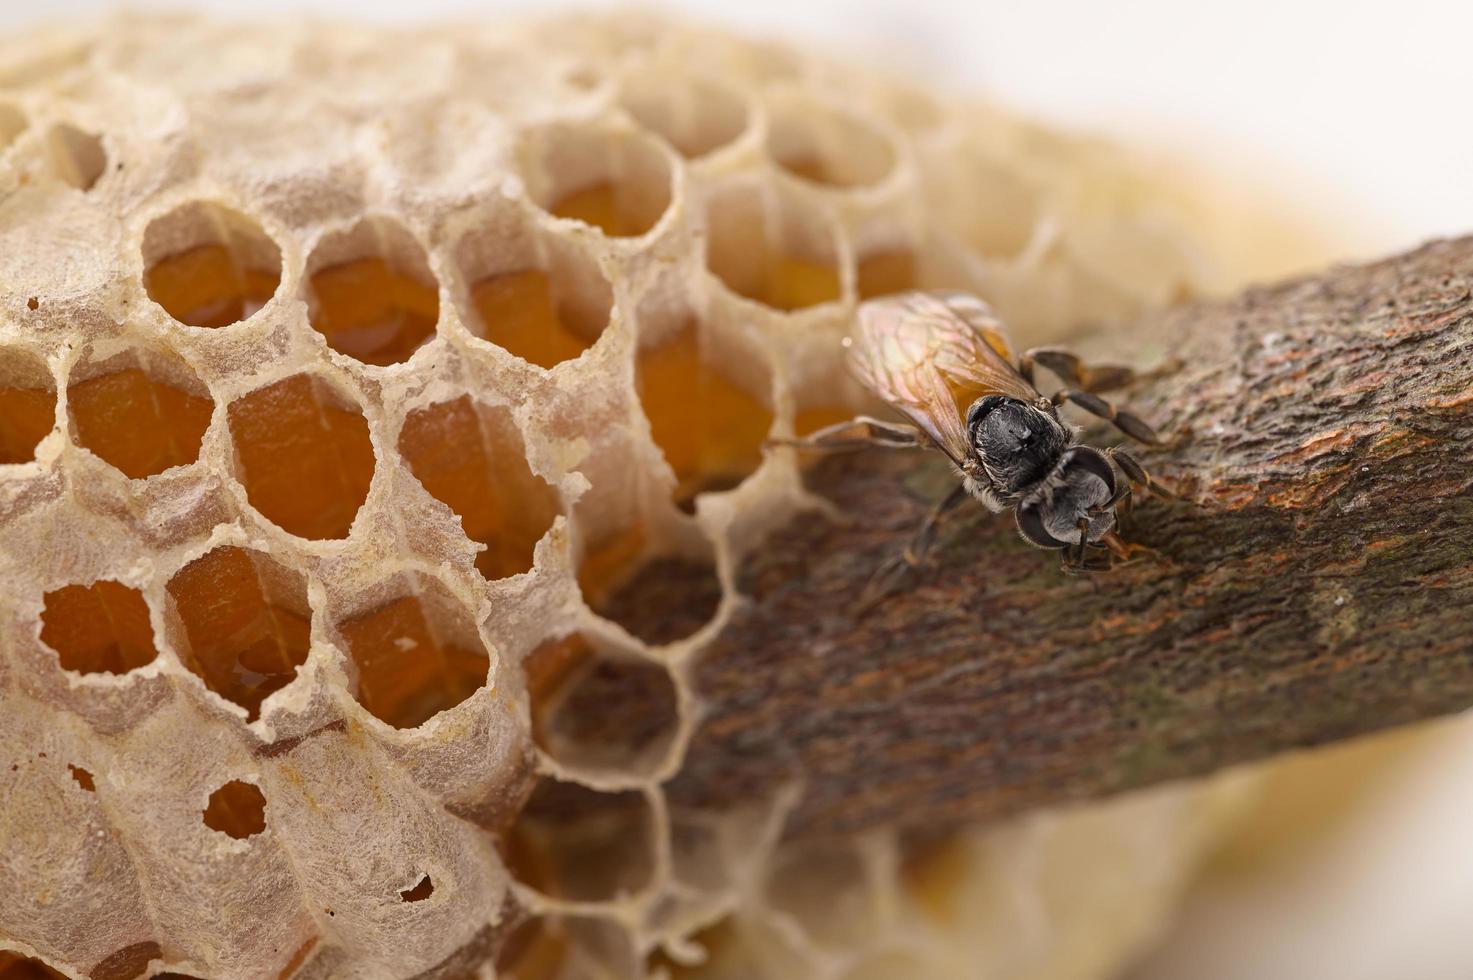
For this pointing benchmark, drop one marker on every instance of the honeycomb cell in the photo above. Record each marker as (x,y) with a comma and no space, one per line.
(827,146)
(538,949)
(470,457)
(208,265)
(126,963)
(371,294)
(303,455)
(824,887)
(137,423)
(537,295)
(697,119)
(246,624)
(618,182)
(237,809)
(83,778)
(415,656)
(77,155)
(577,844)
(709,424)
(101,628)
(419,892)
(567,948)
(661,601)
(14,966)
(772,247)
(996,211)
(27,406)
(12,124)
(883,272)
(575,719)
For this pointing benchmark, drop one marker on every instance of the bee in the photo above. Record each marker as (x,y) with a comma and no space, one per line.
(942,360)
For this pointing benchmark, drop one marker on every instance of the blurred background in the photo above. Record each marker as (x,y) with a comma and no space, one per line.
(1353,119)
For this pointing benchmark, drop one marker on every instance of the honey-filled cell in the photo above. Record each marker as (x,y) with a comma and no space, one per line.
(208,265)
(246,623)
(518,312)
(98,628)
(27,415)
(370,292)
(137,424)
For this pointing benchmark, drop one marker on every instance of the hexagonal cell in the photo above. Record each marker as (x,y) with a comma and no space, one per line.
(993,209)
(884,271)
(370,292)
(14,966)
(303,454)
(141,413)
(826,145)
(237,809)
(470,457)
(566,948)
(707,400)
(12,124)
(616,181)
(77,155)
(697,119)
(209,265)
(416,654)
(246,624)
(773,247)
(577,844)
(609,710)
(98,628)
(27,406)
(537,296)
(658,599)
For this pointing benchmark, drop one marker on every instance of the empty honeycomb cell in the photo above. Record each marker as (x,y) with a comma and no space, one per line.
(208,265)
(580,845)
(98,628)
(83,778)
(697,119)
(826,145)
(246,623)
(27,406)
(422,890)
(662,600)
(415,656)
(882,272)
(371,294)
(608,711)
(470,457)
(616,181)
(303,455)
(536,295)
(77,155)
(237,809)
(994,210)
(772,247)
(708,415)
(14,966)
(140,424)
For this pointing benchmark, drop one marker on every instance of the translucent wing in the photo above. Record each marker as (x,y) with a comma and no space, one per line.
(930,355)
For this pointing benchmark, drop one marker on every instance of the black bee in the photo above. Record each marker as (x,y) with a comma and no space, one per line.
(943,361)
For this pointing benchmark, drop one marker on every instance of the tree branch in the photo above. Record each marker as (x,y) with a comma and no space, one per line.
(1318,585)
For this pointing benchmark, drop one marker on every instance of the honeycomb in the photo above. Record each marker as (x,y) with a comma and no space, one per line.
(352,381)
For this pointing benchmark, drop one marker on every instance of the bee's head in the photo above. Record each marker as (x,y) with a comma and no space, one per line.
(1017,443)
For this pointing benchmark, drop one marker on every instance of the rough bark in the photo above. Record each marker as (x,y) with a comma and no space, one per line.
(1317,584)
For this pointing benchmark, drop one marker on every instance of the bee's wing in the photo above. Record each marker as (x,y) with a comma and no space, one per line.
(930,355)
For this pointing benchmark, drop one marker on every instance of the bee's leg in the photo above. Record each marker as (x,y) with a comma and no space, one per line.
(1076,374)
(1127,422)
(861,432)
(894,568)
(1137,474)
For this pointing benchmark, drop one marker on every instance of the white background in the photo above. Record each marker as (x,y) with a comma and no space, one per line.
(1357,115)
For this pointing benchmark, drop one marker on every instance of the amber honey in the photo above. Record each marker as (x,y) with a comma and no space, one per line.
(26,416)
(710,429)
(406,673)
(306,462)
(518,313)
(98,628)
(237,809)
(472,460)
(137,424)
(371,311)
(14,966)
(208,286)
(884,273)
(536,950)
(242,643)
